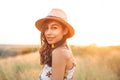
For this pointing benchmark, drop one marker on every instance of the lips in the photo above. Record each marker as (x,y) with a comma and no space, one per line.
(49,38)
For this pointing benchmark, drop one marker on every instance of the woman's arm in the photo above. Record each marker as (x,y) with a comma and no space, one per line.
(58,64)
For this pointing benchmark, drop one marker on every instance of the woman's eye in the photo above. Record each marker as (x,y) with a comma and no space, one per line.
(54,27)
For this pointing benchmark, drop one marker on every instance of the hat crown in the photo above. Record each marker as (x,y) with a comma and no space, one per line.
(58,13)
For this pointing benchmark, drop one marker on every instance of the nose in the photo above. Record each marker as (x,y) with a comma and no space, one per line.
(48,32)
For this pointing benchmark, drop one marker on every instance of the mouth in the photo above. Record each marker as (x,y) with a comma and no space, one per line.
(49,38)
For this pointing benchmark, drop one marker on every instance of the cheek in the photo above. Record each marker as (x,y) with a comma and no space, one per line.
(45,34)
(61,34)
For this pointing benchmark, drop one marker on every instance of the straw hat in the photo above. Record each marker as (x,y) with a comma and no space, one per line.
(57,15)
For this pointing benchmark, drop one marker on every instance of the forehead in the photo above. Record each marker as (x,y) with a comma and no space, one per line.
(54,24)
(50,23)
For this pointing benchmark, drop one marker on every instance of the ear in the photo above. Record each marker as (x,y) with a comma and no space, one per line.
(65,31)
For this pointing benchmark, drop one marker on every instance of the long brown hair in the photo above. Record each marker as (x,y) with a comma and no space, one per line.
(46,49)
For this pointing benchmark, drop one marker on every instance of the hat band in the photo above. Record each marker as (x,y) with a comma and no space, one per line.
(56,17)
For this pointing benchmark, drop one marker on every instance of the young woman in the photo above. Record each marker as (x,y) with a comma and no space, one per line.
(55,55)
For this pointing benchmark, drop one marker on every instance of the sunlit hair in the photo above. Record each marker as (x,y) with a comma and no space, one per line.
(46,50)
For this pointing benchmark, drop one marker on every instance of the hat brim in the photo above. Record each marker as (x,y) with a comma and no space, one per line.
(40,22)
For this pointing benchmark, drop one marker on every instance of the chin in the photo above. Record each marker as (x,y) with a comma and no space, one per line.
(50,42)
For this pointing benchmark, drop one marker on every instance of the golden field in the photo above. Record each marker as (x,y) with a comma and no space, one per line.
(92,62)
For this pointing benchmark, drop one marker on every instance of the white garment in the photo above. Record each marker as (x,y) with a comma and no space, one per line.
(47,73)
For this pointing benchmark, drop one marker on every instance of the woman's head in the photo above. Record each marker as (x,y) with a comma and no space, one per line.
(53,31)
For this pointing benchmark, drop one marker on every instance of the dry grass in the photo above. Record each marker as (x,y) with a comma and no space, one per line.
(92,64)
(22,67)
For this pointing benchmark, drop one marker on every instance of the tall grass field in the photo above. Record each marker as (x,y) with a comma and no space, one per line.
(92,62)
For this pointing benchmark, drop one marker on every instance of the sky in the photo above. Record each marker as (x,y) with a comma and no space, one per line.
(95,21)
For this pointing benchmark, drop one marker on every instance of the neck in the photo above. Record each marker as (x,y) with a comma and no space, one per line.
(60,43)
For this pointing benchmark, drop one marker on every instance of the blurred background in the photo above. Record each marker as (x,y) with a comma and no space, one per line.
(95,45)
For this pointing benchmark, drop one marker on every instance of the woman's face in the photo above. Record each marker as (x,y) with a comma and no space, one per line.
(54,32)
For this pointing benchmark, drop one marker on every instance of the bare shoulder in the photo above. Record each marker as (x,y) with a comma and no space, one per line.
(62,52)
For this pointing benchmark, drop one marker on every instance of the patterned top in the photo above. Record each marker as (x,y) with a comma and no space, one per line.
(46,73)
